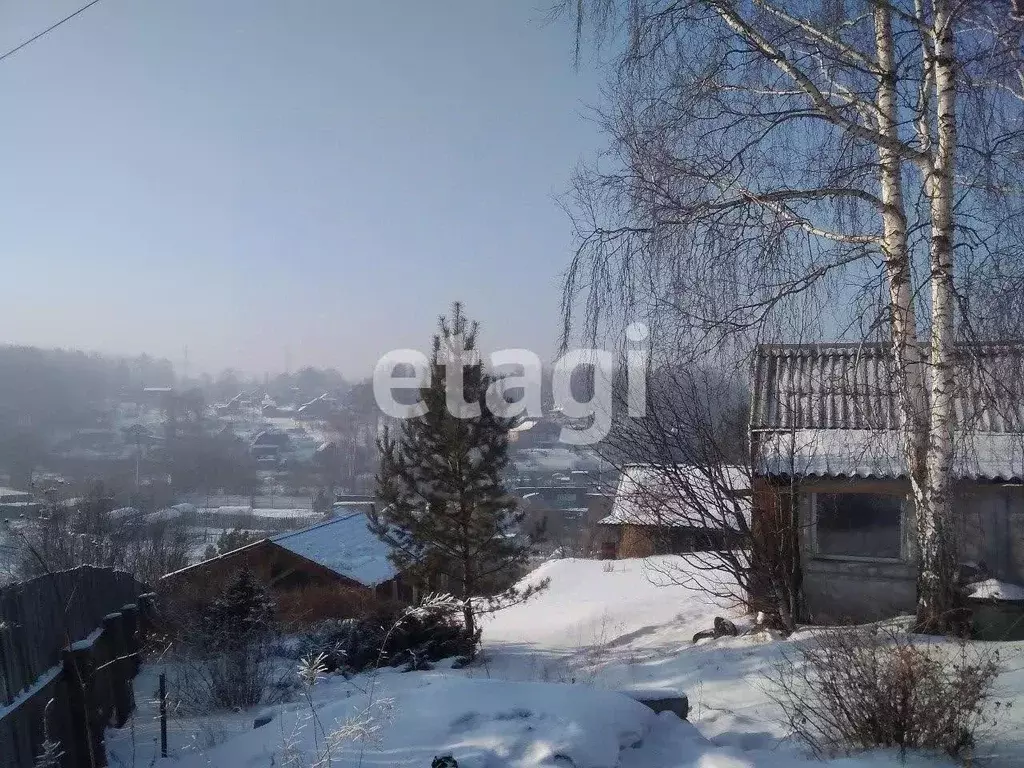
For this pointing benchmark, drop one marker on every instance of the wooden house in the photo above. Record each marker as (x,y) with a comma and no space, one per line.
(674,509)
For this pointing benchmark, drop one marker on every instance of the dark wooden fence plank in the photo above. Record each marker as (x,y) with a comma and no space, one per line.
(67,638)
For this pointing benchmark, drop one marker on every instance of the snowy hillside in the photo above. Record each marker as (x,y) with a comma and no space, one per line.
(553,688)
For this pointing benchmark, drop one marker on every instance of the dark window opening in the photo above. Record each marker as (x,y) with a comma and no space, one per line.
(858,524)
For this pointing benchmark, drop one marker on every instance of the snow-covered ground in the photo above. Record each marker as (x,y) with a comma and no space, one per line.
(549,691)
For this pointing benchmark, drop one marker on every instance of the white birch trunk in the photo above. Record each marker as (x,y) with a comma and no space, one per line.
(936,530)
(908,358)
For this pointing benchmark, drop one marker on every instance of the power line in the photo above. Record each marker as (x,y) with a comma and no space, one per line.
(48,30)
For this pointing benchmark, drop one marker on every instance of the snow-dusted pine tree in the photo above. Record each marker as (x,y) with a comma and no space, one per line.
(444,510)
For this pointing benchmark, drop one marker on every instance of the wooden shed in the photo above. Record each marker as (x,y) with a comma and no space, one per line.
(673,509)
(825,432)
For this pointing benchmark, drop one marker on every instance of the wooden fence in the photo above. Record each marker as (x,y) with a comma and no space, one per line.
(69,645)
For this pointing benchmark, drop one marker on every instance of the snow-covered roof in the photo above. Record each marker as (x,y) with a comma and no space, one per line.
(346,546)
(123,513)
(524,426)
(680,496)
(833,410)
(12,495)
(879,454)
(162,515)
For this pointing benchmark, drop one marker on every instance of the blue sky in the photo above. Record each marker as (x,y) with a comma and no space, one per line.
(269,181)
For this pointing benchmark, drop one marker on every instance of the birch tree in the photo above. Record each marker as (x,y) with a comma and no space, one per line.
(779,163)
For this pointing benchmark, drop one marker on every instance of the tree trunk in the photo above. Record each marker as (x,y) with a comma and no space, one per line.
(915,415)
(937,596)
(469,586)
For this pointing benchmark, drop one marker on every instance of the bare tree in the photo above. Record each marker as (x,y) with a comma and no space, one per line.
(687,484)
(807,164)
(86,533)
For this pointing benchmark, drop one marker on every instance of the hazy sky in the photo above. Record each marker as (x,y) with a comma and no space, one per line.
(274,181)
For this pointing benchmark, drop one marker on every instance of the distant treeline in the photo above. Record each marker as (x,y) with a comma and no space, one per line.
(46,389)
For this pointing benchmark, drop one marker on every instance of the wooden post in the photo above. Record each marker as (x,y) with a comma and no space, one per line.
(130,613)
(163,714)
(119,671)
(147,611)
(86,730)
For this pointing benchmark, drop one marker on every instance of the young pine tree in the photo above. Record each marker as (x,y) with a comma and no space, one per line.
(444,510)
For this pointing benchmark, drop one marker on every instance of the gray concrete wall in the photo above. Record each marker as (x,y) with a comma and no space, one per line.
(992,532)
(844,592)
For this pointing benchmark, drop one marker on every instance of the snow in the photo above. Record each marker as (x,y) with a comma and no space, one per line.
(554,687)
(878,453)
(594,601)
(297,512)
(269,512)
(993,589)
(39,684)
(87,642)
(555,459)
(679,496)
(480,722)
(346,546)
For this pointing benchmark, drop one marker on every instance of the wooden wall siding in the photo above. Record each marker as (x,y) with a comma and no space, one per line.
(635,542)
(71,638)
(992,530)
(278,568)
(648,540)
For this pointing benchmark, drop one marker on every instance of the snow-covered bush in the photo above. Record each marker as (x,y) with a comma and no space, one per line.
(853,689)
(389,636)
(345,644)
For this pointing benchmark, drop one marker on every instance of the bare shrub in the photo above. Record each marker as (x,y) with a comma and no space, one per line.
(66,535)
(861,688)
(225,658)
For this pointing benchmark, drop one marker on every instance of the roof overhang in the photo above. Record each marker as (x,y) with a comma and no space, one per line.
(879,454)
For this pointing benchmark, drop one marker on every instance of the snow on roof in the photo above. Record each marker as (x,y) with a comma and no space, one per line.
(680,496)
(14,495)
(879,454)
(163,515)
(230,510)
(833,410)
(123,513)
(346,546)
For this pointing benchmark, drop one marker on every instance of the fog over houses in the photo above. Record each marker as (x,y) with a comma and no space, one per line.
(613,384)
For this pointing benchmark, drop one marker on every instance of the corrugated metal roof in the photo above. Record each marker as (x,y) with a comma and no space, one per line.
(832,410)
(851,386)
(680,496)
(879,454)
